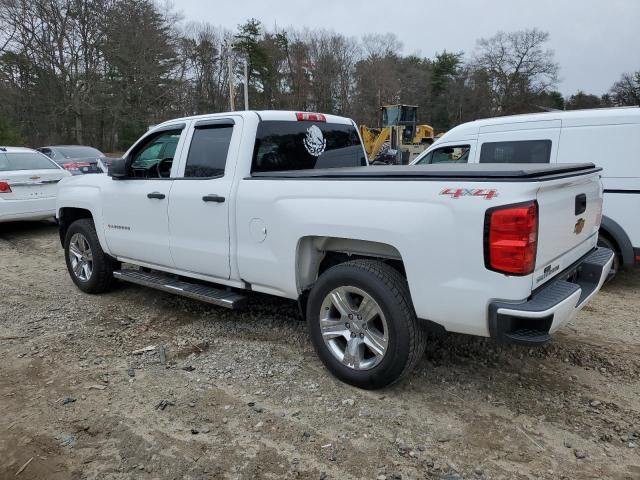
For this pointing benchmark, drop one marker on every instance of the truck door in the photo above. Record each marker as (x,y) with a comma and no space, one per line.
(135,208)
(200,199)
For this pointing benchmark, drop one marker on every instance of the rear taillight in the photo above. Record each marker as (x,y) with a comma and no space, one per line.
(511,238)
(5,187)
(310,117)
(74,166)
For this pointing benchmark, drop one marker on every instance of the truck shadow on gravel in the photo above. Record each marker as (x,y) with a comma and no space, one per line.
(24,229)
(276,320)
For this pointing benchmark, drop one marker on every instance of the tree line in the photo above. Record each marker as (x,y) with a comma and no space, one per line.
(100,72)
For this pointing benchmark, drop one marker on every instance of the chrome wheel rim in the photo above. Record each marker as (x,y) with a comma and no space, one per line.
(80,257)
(353,328)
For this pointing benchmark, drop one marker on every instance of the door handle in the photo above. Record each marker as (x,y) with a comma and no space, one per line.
(213,198)
(157,195)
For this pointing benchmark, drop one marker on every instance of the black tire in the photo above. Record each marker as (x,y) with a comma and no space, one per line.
(604,241)
(389,289)
(101,278)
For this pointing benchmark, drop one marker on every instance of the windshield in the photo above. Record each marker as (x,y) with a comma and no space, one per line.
(79,152)
(25,161)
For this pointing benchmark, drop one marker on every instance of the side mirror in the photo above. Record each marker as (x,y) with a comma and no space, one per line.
(118,168)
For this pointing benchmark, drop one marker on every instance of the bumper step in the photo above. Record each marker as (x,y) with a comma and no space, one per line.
(552,305)
(170,284)
(528,336)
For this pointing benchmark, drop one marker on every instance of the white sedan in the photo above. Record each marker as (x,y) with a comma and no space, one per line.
(28,184)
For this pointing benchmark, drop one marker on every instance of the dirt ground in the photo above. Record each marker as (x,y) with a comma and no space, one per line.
(242,394)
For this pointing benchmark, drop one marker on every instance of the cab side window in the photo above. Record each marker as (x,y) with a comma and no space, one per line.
(154,156)
(524,151)
(208,151)
(452,154)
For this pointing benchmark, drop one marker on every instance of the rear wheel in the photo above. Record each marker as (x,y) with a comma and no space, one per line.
(363,325)
(90,268)
(617,260)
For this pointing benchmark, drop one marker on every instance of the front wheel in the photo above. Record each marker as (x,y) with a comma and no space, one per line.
(90,268)
(363,325)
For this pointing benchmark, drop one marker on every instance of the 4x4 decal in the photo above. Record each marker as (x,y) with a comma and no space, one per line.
(488,194)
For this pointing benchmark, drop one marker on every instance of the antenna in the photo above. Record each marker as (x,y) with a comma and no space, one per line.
(246,86)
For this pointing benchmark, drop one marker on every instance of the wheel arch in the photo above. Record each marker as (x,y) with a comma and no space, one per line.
(614,232)
(315,254)
(68,215)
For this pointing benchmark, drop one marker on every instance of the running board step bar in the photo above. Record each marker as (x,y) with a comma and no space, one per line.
(170,284)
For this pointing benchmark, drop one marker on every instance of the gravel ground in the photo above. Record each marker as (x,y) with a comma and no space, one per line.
(242,394)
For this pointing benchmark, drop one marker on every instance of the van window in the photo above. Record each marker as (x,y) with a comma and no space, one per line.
(452,154)
(306,145)
(524,151)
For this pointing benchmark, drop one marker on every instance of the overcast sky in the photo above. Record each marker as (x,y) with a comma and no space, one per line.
(594,40)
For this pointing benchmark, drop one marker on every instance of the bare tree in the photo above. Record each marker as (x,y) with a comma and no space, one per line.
(518,68)
(379,45)
(626,91)
(204,51)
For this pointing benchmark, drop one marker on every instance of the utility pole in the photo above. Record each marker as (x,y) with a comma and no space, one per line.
(246,86)
(231,86)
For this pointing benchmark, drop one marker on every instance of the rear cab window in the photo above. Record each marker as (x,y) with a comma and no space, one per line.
(306,145)
(208,151)
(12,161)
(523,151)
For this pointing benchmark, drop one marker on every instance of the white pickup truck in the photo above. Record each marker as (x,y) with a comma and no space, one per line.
(215,206)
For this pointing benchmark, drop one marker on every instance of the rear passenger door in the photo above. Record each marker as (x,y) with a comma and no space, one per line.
(200,199)
(527,142)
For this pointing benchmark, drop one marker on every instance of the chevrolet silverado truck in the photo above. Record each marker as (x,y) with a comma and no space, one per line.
(285,204)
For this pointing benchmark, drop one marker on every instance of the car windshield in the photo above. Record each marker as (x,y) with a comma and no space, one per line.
(24,161)
(78,152)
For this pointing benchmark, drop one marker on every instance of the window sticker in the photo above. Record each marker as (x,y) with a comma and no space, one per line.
(314,141)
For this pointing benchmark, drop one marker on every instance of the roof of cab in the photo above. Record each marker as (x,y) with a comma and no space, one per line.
(283,115)
(570,118)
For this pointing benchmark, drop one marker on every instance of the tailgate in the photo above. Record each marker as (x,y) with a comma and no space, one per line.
(570,211)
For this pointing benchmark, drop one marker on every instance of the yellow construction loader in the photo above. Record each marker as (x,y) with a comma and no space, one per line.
(399,139)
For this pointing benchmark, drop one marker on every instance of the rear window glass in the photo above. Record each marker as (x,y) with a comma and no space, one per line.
(302,145)
(79,152)
(25,161)
(525,151)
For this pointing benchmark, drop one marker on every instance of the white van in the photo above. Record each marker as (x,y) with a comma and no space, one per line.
(608,137)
